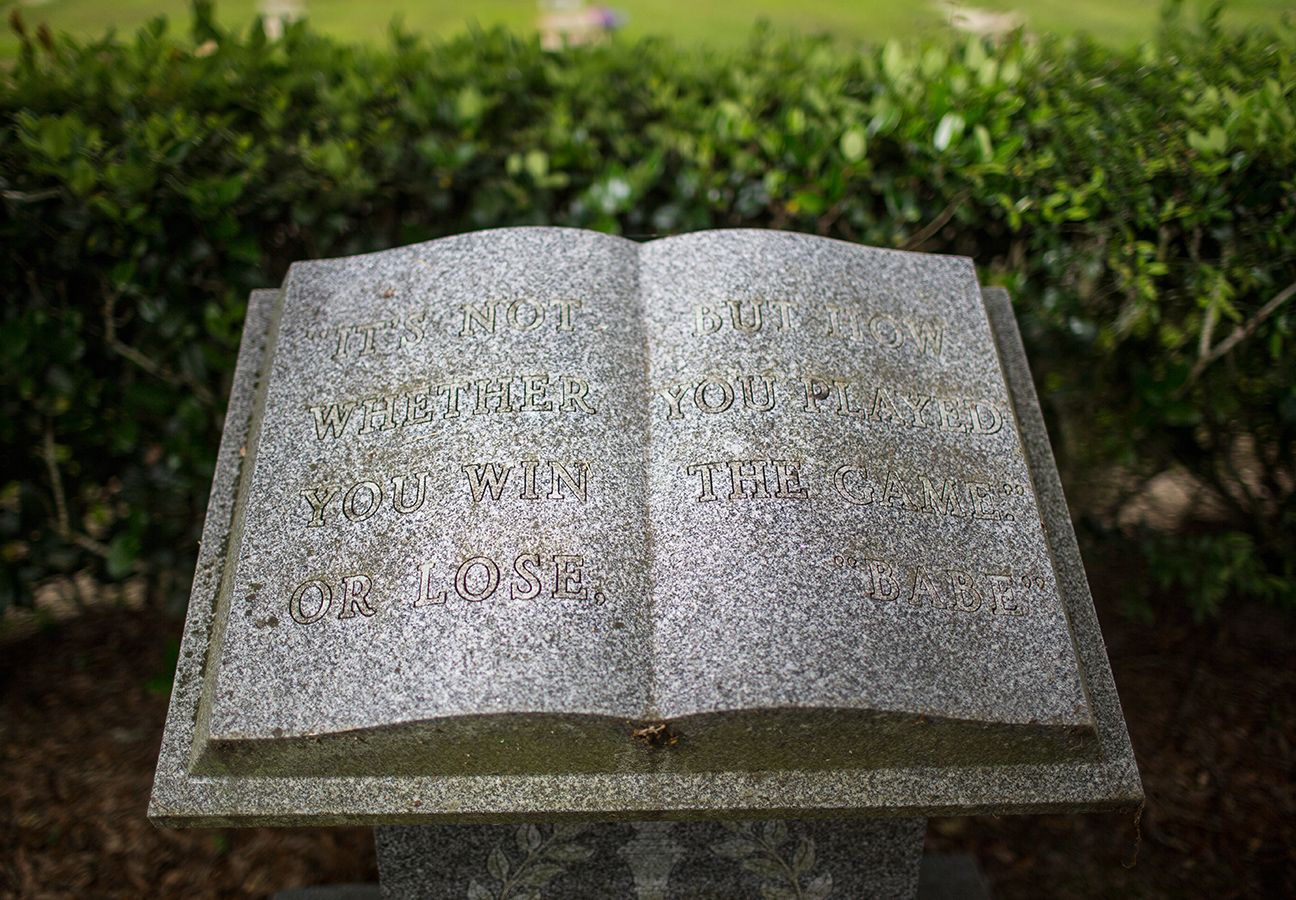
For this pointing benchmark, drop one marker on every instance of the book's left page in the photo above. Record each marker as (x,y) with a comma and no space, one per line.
(438,561)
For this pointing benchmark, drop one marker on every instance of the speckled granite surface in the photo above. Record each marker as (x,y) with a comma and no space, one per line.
(908,501)
(811,860)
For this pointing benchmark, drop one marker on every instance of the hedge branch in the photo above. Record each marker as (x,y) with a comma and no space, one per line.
(1242,332)
(56,481)
(145,362)
(30,196)
(62,520)
(936,224)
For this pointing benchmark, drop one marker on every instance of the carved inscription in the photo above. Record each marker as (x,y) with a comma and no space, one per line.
(312,600)
(559,576)
(743,316)
(923,336)
(713,395)
(563,481)
(921,492)
(987,590)
(817,394)
(523,314)
(563,576)
(749,479)
(436,401)
(409,492)
(845,397)
(476,579)
(383,337)
(860,484)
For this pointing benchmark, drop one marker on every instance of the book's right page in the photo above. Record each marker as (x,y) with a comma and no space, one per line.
(843,526)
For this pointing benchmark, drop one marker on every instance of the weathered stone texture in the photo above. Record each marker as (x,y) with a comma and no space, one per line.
(544,523)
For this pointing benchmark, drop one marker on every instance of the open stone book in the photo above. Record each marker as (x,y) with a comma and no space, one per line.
(540,500)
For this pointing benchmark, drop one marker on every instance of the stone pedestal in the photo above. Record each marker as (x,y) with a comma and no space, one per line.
(653,860)
(783,537)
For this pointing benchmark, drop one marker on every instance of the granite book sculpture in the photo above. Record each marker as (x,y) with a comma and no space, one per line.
(539,521)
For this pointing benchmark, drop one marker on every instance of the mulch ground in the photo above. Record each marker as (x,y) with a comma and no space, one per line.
(1210,708)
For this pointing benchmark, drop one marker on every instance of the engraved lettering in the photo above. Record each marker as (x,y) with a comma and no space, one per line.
(383,337)
(851,485)
(525,315)
(925,337)
(750,479)
(331,420)
(355,597)
(784,309)
(426,595)
(451,392)
(981,412)
(1003,597)
(704,471)
(318,498)
(882,583)
(562,477)
(841,323)
(923,492)
(766,403)
(344,336)
(744,316)
(947,502)
(567,480)
(483,477)
(966,595)
(478,316)
(725,400)
(886,330)
(528,393)
(924,589)
(988,592)
(951,417)
(522,315)
(496,390)
(402,505)
(529,467)
(674,394)
(927,334)
(566,309)
(533,393)
(527,567)
(980,493)
(485,585)
(705,321)
(917,403)
(418,408)
(574,391)
(736,316)
(744,473)
(377,409)
(894,493)
(787,480)
(816,391)
(352,507)
(414,329)
(367,343)
(478,578)
(320,603)
(567,578)
(884,408)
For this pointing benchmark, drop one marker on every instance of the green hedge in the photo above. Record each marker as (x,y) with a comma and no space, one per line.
(1139,205)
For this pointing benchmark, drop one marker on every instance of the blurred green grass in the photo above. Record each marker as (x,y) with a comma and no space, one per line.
(718,22)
